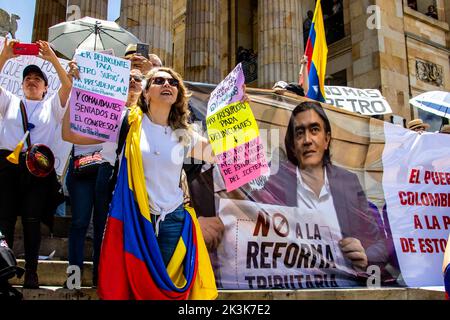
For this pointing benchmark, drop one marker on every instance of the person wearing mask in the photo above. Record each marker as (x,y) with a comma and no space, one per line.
(22,193)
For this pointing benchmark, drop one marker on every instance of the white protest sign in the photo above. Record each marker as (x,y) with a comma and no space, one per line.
(365,101)
(99,96)
(416,183)
(274,247)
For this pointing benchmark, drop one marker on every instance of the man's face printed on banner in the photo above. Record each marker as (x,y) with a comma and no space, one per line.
(311,140)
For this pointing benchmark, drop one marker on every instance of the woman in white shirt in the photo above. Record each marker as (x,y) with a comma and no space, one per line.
(90,194)
(22,193)
(159,140)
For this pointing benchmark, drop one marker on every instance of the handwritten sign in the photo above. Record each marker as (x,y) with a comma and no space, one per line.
(99,96)
(234,134)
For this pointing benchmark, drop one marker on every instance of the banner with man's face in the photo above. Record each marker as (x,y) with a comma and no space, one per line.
(376,214)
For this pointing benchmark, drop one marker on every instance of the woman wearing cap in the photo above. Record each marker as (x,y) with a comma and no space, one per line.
(164,255)
(22,193)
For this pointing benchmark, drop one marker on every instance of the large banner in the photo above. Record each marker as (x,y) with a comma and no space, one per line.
(374,213)
(269,246)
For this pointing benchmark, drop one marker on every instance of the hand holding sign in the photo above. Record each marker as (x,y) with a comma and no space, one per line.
(99,94)
(233,132)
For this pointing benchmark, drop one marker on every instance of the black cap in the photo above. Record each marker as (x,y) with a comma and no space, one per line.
(32,68)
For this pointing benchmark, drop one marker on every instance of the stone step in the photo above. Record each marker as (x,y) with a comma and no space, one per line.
(432,293)
(58,293)
(50,244)
(53,273)
(61,227)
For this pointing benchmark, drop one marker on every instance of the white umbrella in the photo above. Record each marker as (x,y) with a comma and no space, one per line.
(437,102)
(90,34)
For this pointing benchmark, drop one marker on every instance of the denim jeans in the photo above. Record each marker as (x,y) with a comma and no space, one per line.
(170,232)
(88,195)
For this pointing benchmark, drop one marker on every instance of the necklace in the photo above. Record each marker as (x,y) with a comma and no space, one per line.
(166,128)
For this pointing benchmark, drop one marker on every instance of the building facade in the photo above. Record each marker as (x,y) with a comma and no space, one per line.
(391,45)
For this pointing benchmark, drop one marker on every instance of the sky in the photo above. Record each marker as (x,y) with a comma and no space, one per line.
(25,24)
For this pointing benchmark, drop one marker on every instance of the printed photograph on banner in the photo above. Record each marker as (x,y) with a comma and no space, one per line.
(99,96)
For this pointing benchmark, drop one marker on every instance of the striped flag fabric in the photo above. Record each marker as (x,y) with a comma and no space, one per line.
(131,264)
(317,52)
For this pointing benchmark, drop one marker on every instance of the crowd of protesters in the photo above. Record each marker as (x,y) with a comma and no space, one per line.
(156,107)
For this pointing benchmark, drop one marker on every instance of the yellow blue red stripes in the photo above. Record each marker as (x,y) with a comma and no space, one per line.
(317,52)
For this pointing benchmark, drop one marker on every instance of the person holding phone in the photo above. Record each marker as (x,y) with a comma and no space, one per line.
(22,193)
(140,58)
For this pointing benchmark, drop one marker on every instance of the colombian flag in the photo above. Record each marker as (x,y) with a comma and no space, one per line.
(131,265)
(317,52)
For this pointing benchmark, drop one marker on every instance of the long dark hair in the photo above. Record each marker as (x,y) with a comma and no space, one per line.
(290,134)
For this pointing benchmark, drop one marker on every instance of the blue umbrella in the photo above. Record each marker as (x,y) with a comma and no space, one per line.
(437,102)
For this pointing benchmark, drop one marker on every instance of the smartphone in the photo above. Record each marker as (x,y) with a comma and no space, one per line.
(142,49)
(26,49)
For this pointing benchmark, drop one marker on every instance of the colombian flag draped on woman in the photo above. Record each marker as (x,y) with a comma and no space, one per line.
(131,265)
(317,52)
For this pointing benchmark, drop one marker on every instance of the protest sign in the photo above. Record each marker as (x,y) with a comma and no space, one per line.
(416,184)
(365,101)
(98,97)
(276,247)
(233,132)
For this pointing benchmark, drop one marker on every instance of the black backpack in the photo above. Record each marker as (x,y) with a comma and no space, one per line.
(8,270)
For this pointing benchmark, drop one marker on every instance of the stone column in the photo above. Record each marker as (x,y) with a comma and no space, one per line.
(47,14)
(90,8)
(280,45)
(150,21)
(202,58)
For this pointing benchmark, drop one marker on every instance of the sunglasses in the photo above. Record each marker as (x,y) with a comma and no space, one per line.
(159,81)
(136,78)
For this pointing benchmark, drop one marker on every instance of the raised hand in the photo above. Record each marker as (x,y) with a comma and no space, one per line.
(46,52)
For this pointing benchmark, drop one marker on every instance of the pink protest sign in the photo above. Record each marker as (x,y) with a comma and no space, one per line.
(95,115)
(243,164)
(99,96)
(229,90)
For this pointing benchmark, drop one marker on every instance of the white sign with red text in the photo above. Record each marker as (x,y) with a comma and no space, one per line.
(416,183)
